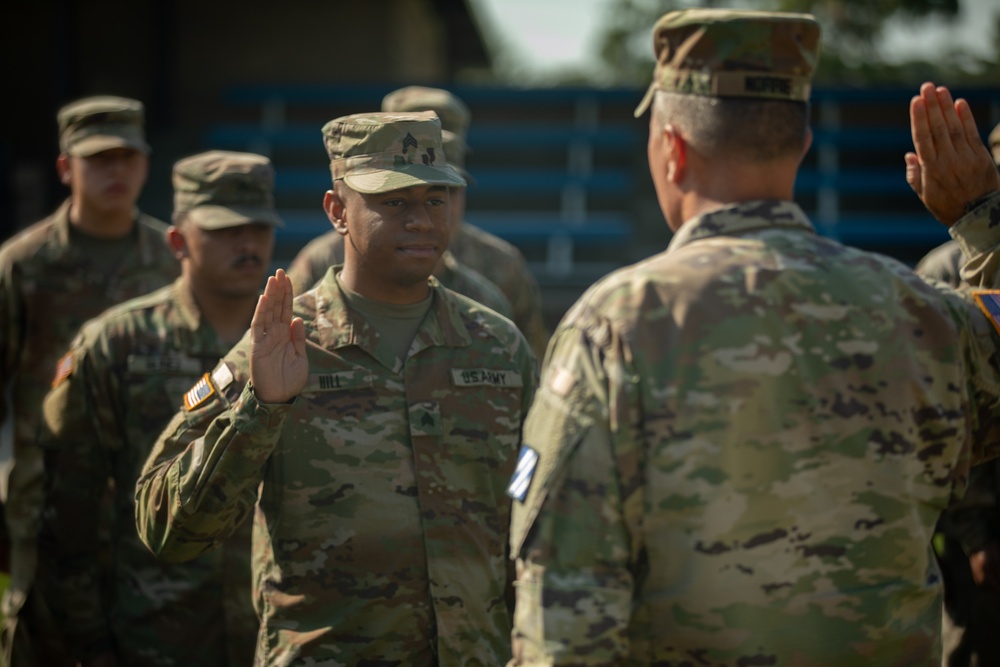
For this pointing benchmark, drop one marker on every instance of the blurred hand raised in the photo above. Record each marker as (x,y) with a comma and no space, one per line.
(951,167)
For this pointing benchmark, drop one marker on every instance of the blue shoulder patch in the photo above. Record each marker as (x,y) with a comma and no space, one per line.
(521,481)
(989,303)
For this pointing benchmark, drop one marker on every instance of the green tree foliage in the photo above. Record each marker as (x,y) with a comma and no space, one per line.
(852,31)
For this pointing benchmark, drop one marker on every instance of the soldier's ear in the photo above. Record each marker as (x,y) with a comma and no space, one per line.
(676,153)
(176,242)
(63,169)
(333,204)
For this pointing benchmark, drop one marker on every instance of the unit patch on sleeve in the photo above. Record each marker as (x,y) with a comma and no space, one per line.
(199,393)
(520,482)
(989,303)
(63,369)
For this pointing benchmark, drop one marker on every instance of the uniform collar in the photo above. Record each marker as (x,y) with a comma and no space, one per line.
(332,324)
(742,218)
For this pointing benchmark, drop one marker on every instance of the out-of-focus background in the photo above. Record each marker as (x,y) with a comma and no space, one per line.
(559,161)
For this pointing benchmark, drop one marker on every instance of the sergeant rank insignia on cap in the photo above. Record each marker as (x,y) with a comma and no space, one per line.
(521,481)
(989,303)
(199,393)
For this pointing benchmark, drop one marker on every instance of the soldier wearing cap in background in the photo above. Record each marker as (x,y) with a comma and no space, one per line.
(945,261)
(117,389)
(378,416)
(96,250)
(501,262)
(967,539)
(327,250)
(740,446)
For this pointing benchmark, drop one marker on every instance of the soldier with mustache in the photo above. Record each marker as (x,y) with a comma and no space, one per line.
(125,376)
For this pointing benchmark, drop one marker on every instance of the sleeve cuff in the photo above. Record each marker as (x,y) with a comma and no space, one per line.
(978,231)
(251,416)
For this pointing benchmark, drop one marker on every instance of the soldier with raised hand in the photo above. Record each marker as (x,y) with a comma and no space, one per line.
(948,151)
(373,422)
(96,250)
(117,388)
(740,446)
(945,261)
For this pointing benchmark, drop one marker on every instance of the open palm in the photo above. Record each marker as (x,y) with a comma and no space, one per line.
(951,166)
(278,364)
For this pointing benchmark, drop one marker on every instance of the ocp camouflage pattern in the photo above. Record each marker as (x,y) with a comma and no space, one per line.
(505,266)
(48,288)
(130,369)
(381,526)
(744,445)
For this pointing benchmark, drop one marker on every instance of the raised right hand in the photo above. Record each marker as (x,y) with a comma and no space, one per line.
(279,367)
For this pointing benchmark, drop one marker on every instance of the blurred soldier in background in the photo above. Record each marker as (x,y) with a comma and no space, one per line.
(967,541)
(96,250)
(118,387)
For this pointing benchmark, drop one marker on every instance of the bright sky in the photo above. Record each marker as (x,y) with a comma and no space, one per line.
(553,34)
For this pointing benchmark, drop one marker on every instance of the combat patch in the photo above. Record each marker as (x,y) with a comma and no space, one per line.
(520,482)
(63,369)
(479,377)
(199,393)
(989,303)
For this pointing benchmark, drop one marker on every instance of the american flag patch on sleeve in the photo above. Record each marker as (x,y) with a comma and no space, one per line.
(63,369)
(199,393)
(989,303)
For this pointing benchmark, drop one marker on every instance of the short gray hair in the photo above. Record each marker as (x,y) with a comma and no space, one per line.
(751,129)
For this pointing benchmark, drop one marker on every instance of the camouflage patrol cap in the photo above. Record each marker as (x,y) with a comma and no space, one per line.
(453,112)
(381,152)
(734,53)
(994,141)
(220,189)
(94,124)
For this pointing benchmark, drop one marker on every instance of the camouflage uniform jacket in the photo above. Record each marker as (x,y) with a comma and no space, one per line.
(124,379)
(743,446)
(382,520)
(48,289)
(504,265)
(316,258)
(943,263)
(976,234)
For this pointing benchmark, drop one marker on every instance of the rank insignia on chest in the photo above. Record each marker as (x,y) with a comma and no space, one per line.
(199,393)
(63,369)
(989,303)
(521,480)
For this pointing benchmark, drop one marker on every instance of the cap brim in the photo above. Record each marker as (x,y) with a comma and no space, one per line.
(469,180)
(106,142)
(221,217)
(646,101)
(403,176)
